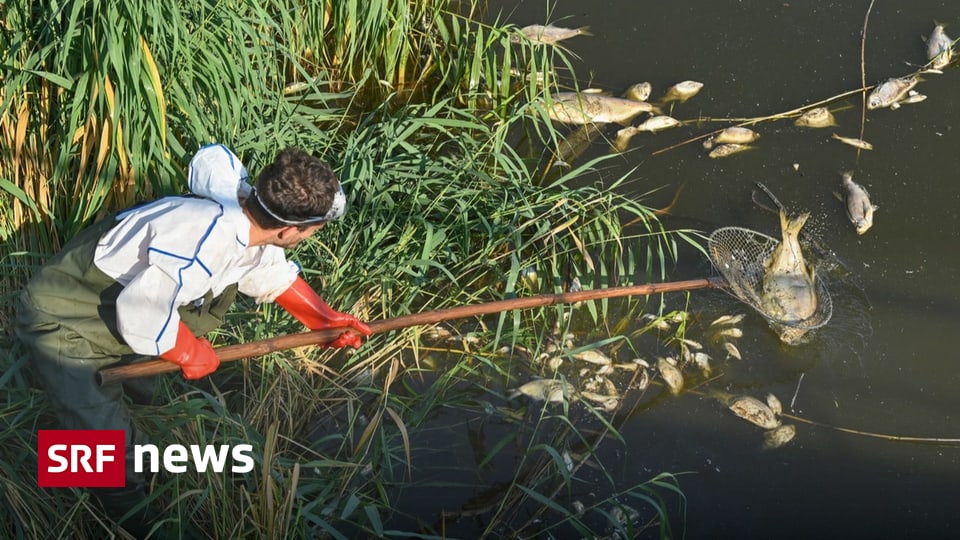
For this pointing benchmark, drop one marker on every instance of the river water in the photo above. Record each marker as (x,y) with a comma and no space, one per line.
(885,366)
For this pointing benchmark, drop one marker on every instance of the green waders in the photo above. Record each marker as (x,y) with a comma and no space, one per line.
(67,319)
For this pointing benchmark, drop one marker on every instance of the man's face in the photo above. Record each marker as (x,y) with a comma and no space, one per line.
(289,237)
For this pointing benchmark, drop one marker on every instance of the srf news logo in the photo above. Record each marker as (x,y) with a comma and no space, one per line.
(97,458)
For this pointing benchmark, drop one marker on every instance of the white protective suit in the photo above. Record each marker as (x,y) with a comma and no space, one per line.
(173,251)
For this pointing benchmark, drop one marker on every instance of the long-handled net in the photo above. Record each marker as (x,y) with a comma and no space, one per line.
(741,256)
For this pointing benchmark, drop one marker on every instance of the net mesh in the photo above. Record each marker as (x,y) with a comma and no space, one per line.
(741,255)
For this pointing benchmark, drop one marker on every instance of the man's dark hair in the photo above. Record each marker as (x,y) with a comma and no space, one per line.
(295,187)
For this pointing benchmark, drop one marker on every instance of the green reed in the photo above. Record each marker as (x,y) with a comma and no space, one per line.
(419,107)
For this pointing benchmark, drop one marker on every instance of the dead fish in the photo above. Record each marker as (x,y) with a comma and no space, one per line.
(774,403)
(789,292)
(639,92)
(817,117)
(658,123)
(671,375)
(859,208)
(574,108)
(939,48)
(643,380)
(858,143)
(891,91)
(549,390)
(732,333)
(912,97)
(777,437)
(754,411)
(702,361)
(726,320)
(528,277)
(725,150)
(733,135)
(295,88)
(549,34)
(732,350)
(593,356)
(623,138)
(682,91)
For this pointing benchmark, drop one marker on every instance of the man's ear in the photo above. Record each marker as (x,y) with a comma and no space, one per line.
(283,232)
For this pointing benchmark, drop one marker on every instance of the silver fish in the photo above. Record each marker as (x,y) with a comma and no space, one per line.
(671,375)
(939,48)
(574,108)
(731,333)
(732,350)
(725,320)
(817,117)
(624,135)
(593,356)
(779,436)
(549,34)
(891,91)
(725,150)
(682,91)
(754,411)
(858,143)
(658,123)
(774,403)
(639,92)
(912,97)
(789,292)
(859,208)
(736,135)
(549,390)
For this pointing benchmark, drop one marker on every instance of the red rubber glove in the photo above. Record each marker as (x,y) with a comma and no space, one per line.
(194,355)
(301,301)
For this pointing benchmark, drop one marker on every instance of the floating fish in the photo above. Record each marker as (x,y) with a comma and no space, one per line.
(912,97)
(702,361)
(624,135)
(295,88)
(891,91)
(789,293)
(858,143)
(732,135)
(528,277)
(593,356)
(549,34)
(574,108)
(754,411)
(939,48)
(817,117)
(549,390)
(682,91)
(639,92)
(774,403)
(859,208)
(671,375)
(732,350)
(726,320)
(732,333)
(725,150)
(658,123)
(779,436)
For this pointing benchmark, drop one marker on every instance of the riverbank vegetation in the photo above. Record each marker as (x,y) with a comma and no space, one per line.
(433,121)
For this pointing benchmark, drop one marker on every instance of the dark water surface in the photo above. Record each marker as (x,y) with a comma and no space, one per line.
(886,363)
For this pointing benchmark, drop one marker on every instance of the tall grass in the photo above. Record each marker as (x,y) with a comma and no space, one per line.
(419,107)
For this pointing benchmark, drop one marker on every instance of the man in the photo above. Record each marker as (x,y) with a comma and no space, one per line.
(151,279)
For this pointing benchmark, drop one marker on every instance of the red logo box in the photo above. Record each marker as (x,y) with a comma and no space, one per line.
(81,458)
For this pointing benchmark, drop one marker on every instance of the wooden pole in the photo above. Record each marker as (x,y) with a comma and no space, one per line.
(229,353)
